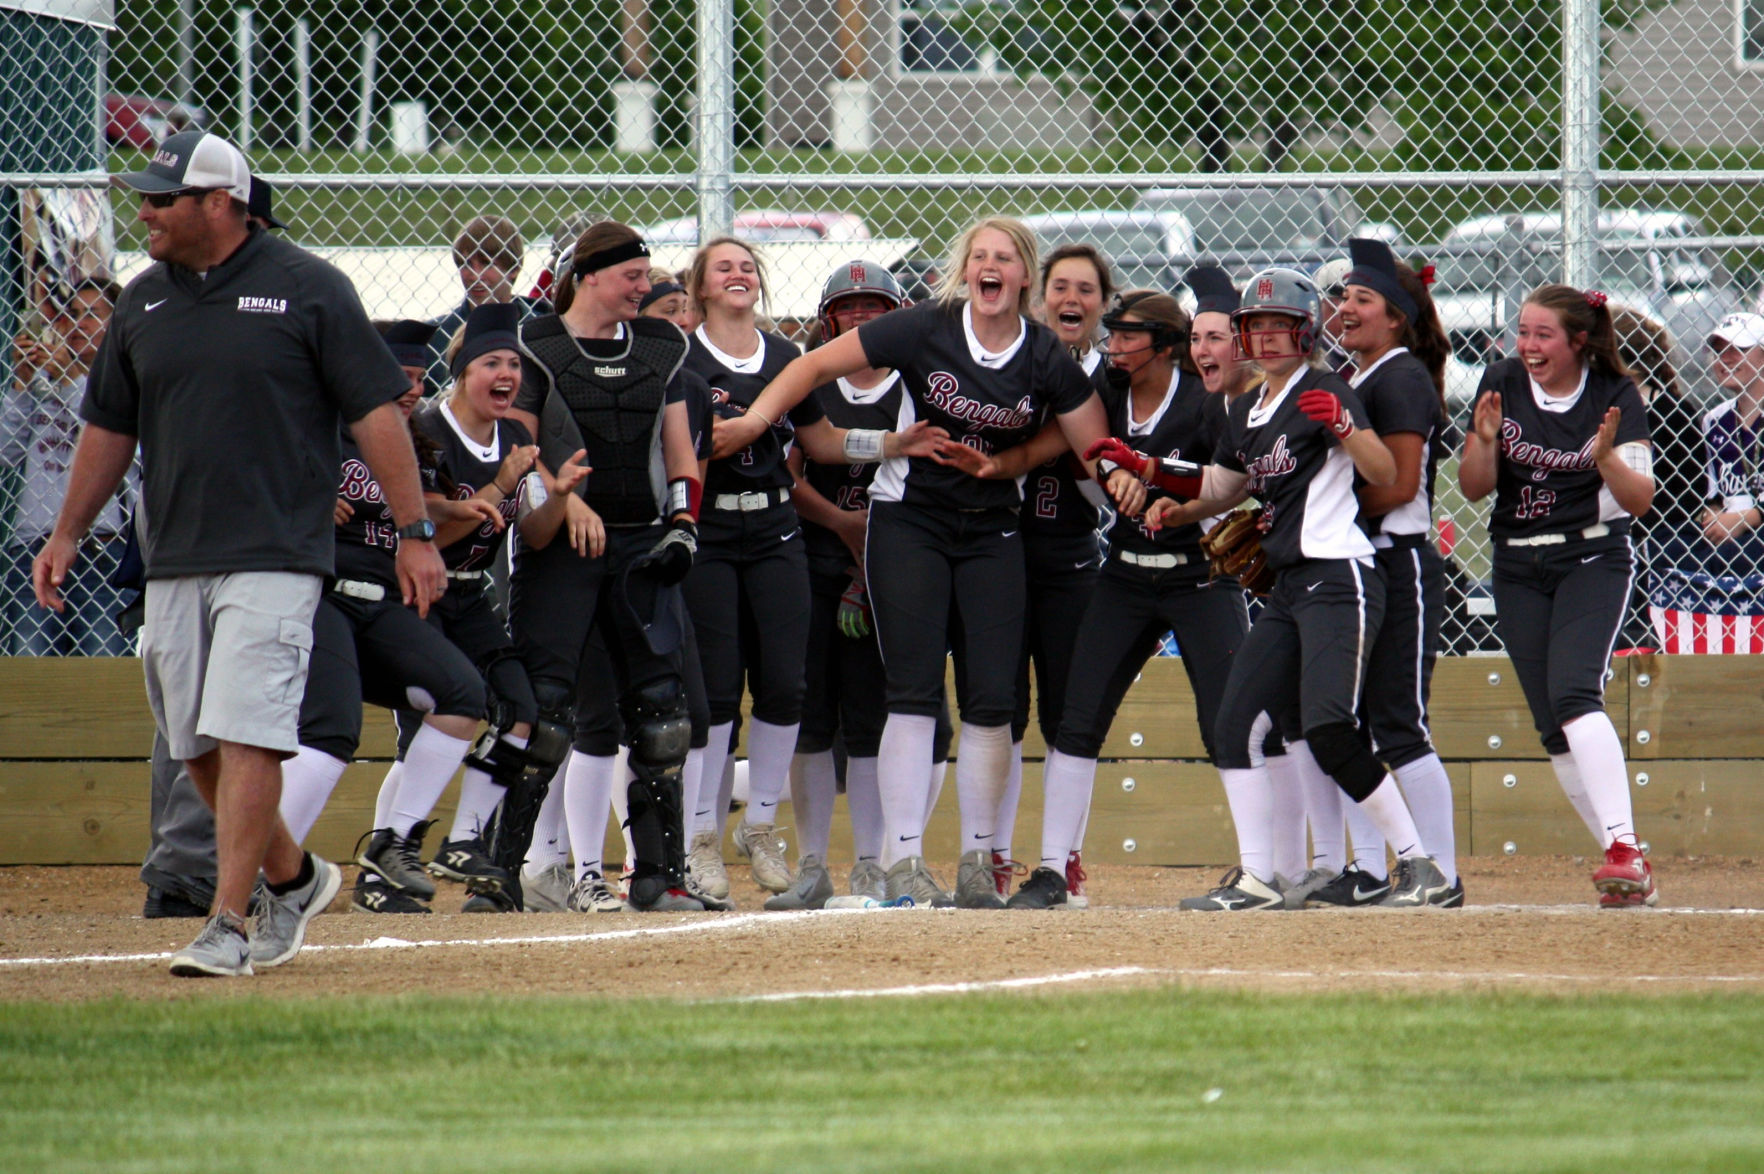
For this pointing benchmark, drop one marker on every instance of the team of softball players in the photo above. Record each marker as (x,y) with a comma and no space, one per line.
(1015,476)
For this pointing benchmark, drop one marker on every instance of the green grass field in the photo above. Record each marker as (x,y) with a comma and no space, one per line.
(1067,1082)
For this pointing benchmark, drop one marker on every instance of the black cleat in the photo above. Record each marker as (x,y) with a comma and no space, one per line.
(1351,890)
(373,895)
(468,862)
(169,903)
(1045,889)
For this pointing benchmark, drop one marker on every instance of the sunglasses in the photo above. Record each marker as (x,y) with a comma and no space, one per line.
(167,199)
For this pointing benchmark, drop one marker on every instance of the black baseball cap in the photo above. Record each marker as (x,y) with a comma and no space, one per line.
(191,160)
(259,204)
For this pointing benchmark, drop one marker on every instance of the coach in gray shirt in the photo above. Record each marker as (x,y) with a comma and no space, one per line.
(231,361)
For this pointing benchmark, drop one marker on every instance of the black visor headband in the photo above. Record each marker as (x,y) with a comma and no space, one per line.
(658,291)
(607,258)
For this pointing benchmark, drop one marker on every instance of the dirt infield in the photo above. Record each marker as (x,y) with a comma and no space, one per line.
(77,933)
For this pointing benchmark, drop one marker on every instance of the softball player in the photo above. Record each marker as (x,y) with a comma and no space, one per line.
(1560,436)
(1296,445)
(944,555)
(1397,355)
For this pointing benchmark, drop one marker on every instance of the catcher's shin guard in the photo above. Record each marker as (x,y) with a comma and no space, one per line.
(661,733)
(526,775)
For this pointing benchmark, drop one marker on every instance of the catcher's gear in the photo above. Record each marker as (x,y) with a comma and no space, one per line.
(1279,291)
(854,611)
(670,558)
(1163,335)
(1234,547)
(1182,478)
(1326,408)
(856,277)
(661,734)
(527,775)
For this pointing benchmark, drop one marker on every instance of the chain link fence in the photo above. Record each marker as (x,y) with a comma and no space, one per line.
(1506,141)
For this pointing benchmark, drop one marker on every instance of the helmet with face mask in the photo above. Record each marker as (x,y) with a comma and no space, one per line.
(852,279)
(1286,292)
(1163,335)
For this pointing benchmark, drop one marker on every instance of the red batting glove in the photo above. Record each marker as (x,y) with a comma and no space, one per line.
(1326,408)
(1117,454)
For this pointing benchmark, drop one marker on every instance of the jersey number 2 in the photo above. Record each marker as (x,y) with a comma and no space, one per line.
(1047,497)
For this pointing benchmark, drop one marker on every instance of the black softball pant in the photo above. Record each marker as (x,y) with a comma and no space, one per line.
(1399,677)
(405,663)
(1062,571)
(1132,609)
(934,574)
(1304,660)
(751,574)
(599,728)
(467,617)
(330,710)
(845,694)
(1558,610)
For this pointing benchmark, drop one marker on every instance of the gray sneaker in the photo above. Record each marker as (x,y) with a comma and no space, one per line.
(759,844)
(591,895)
(221,950)
(395,859)
(549,891)
(715,904)
(976,882)
(812,888)
(704,860)
(1307,882)
(910,878)
(1415,882)
(1237,891)
(868,880)
(281,921)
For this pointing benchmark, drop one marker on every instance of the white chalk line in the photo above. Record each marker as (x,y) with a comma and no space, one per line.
(948,988)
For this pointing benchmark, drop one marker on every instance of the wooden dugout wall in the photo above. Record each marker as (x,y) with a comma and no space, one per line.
(75,736)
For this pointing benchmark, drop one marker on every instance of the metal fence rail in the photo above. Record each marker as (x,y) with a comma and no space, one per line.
(880,128)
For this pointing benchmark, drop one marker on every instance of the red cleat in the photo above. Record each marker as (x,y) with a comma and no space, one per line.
(1626,878)
(1075,882)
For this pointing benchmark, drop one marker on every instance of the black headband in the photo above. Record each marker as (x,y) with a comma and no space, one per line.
(1375,268)
(657,292)
(1163,334)
(608,257)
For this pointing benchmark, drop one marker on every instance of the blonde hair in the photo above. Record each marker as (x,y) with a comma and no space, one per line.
(699,270)
(954,284)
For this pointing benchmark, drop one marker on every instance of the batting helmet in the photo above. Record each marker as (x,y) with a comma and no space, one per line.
(1280,291)
(857,277)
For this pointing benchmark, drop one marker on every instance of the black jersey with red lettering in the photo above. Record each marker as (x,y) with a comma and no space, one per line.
(1186,426)
(467,467)
(1400,396)
(367,544)
(1546,481)
(1298,471)
(992,402)
(1059,498)
(847,485)
(736,383)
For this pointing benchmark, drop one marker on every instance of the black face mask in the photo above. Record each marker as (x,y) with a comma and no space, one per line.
(1119,380)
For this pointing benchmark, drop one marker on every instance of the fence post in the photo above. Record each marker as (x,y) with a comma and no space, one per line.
(1580,142)
(303,84)
(716,117)
(245,38)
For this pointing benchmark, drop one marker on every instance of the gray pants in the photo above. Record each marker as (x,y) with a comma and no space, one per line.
(182,845)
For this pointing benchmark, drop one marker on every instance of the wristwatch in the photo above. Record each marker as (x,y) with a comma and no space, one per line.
(422,530)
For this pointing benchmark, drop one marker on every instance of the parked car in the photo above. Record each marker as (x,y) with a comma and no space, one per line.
(766,225)
(1248,228)
(1146,249)
(135,121)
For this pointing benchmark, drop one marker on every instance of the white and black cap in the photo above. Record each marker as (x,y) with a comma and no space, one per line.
(194,160)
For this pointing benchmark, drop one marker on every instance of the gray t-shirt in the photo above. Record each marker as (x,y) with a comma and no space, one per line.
(234,383)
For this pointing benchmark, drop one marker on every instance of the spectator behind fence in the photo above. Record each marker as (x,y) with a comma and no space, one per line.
(488,253)
(1676,431)
(1707,594)
(39,426)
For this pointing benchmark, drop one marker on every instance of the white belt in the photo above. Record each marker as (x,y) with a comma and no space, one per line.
(465,576)
(356,589)
(1160,561)
(748,502)
(1598,531)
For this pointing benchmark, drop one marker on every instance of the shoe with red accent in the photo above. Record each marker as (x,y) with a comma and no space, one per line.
(1625,878)
(1075,898)
(1004,870)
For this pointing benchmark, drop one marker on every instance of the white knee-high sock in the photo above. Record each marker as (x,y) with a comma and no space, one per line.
(983,767)
(307,782)
(690,774)
(705,817)
(1323,808)
(1386,807)
(1599,754)
(621,803)
(938,777)
(478,797)
(1568,775)
(428,768)
(1067,784)
(588,786)
(1005,826)
(388,794)
(551,840)
(903,775)
(1428,789)
(769,751)
(864,802)
(726,788)
(1371,854)
(1287,817)
(814,786)
(1250,796)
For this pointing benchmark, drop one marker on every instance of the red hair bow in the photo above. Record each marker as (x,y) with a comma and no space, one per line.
(1595,299)
(1426,275)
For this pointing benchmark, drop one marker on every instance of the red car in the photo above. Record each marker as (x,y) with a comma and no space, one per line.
(135,121)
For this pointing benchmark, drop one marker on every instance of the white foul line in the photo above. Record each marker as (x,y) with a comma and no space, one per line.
(948,988)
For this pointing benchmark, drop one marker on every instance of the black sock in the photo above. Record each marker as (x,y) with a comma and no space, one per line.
(303,877)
